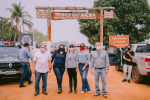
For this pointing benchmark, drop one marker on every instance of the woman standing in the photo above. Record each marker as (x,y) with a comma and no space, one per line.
(84,59)
(72,67)
(59,65)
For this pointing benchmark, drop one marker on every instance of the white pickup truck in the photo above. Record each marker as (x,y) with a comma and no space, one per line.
(141,61)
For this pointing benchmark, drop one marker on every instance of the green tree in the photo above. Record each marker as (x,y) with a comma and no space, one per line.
(128,14)
(5,30)
(38,36)
(19,16)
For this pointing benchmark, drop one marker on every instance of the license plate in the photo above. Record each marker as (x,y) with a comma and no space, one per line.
(10,72)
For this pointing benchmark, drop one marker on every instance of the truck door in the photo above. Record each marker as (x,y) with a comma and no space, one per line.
(114,55)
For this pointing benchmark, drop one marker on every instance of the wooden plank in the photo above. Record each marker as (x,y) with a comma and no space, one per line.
(67,15)
(72,8)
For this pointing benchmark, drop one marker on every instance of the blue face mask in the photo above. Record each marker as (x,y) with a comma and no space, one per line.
(61,49)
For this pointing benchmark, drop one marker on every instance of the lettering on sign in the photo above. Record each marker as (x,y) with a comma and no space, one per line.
(119,41)
(75,8)
(41,14)
(108,14)
(63,15)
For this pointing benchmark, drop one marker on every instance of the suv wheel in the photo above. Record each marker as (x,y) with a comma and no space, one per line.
(137,78)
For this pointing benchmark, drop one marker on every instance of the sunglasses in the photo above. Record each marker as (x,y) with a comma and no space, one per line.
(82,46)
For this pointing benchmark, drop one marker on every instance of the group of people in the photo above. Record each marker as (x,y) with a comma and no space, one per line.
(71,62)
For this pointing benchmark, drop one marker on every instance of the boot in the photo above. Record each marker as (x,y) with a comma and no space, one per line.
(59,90)
(75,87)
(70,85)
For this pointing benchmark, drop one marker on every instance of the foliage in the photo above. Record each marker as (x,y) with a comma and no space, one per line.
(128,14)
(38,36)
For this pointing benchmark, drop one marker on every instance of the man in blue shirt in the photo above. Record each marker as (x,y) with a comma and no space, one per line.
(23,57)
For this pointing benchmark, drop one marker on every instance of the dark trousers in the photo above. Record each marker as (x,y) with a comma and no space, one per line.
(59,71)
(38,76)
(72,75)
(25,70)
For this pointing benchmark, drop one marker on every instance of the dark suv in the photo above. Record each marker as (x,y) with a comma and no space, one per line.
(9,63)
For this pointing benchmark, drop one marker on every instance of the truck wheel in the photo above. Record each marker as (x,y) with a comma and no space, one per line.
(117,68)
(137,78)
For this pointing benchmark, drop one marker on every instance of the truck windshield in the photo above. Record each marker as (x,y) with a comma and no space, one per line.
(8,51)
(143,49)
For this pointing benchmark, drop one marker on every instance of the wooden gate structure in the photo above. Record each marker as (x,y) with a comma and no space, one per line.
(45,12)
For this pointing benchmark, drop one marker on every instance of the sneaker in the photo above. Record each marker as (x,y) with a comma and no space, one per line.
(129,81)
(105,95)
(36,93)
(82,91)
(89,91)
(96,95)
(124,80)
(44,92)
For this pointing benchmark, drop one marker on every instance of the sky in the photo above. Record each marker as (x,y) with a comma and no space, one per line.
(61,30)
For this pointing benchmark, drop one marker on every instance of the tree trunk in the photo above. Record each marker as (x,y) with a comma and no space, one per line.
(15,32)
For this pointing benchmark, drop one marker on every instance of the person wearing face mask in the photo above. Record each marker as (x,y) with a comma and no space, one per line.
(72,67)
(84,59)
(59,65)
(100,62)
(23,57)
(41,68)
(128,56)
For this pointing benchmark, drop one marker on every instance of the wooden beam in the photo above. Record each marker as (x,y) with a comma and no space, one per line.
(71,8)
(101,26)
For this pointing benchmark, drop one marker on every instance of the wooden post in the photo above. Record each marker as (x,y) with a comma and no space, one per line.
(101,26)
(49,30)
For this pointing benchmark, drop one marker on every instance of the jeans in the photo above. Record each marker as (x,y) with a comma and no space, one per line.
(129,67)
(97,73)
(83,73)
(25,70)
(37,80)
(72,75)
(59,71)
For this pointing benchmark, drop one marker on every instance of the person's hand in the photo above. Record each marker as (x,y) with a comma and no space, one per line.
(129,60)
(83,68)
(76,70)
(49,70)
(107,71)
(33,71)
(66,71)
(128,53)
(91,71)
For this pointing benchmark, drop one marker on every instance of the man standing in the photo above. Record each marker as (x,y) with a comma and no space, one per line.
(128,56)
(41,67)
(23,57)
(100,62)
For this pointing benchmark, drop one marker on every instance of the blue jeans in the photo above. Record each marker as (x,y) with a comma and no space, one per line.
(97,73)
(25,70)
(59,71)
(83,73)
(37,80)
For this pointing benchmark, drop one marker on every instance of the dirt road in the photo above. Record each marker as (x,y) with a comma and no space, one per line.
(9,89)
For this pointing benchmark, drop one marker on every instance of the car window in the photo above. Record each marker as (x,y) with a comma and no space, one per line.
(143,49)
(112,49)
(8,51)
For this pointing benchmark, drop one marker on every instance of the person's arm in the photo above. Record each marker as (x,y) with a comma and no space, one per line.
(49,63)
(87,60)
(126,58)
(53,56)
(107,63)
(77,62)
(66,63)
(92,65)
(131,56)
(29,55)
(33,64)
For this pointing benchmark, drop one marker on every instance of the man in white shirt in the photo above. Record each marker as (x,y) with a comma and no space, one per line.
(41,67)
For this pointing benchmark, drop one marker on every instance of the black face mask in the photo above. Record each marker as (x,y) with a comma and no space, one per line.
(129,48)
(61,49)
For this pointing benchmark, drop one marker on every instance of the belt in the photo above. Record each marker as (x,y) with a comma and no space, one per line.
(82,63)
(24,62)
(100,68)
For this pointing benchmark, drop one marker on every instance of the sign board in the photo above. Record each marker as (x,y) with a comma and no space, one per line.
(26,38)
(41,14)
(119,41)
(66,15)
(108,14)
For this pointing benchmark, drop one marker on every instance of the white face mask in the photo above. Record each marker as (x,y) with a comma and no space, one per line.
(98,47)
(42,49)
(71,49)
